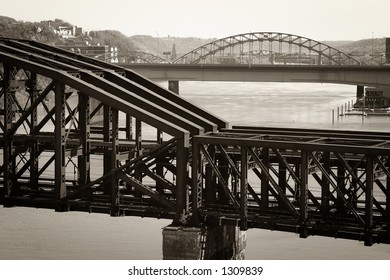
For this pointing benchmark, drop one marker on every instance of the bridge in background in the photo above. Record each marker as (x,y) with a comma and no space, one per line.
(58,152)
(268,57)
(261,48)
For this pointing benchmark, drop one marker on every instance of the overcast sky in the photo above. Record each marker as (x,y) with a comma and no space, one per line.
(319,20)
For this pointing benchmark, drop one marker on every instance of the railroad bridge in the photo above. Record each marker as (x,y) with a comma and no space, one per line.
(79,134)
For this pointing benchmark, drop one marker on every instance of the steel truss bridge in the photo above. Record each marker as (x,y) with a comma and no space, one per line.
(262,48)
(79,134)
(266,48)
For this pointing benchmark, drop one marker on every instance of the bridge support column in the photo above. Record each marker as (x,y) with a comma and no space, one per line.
(111,132)
(341,184)
(60,141)
(369,214)
(34,153)
(173,86)
(182,195)
(303,233)
(325,185)
(85,131)
(264,179)
(9,148)
(197,243)
(359,92)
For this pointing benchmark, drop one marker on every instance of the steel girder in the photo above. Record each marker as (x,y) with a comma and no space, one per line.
(60,152)
(286,180)
(267,48)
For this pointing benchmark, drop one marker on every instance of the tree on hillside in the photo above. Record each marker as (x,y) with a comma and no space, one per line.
(112,38)
(38,31)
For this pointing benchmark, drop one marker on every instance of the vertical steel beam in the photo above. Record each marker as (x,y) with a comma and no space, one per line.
(129,133)
(234,179)
(210,184)
(9,150)
(282,177)
(244,189)
(196,185)
(325,185)
(114,193)
(182,166)
(34,163)
(129,127)
(264,178)
(297,184)
(160,159)
(223,167)
(60,180)
(107,133)
(160,137)
(369,201)
(85,131)
(303,233)
(138,147)
(341,184)
(353,187)
(111,135)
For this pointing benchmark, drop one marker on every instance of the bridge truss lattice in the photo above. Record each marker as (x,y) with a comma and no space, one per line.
(79,134)
(267,48)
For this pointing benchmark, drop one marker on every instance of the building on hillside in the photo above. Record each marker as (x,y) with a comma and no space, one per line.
(105,53)
(67,32)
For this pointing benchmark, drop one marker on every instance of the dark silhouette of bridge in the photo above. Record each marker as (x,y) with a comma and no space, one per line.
(59,152)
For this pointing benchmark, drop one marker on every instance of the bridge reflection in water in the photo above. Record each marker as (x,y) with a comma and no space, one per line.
(210,180)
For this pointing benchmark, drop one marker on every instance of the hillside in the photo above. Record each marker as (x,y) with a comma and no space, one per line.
(365,46)
(38,31)
(112,38)
(158,45)
(47,32)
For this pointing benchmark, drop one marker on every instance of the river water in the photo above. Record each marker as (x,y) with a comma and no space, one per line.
(28,233)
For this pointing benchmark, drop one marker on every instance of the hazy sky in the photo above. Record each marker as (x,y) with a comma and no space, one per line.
(319,20)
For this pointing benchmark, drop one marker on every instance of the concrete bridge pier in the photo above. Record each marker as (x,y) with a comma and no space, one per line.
(221,242)
(359,92)
(173,86)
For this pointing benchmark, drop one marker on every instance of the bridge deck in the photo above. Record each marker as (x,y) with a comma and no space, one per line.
(364,75)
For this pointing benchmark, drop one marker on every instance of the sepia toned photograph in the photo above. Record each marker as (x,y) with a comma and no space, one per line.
(195,130)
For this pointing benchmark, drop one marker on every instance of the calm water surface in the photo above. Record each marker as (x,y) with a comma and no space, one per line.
(28,233)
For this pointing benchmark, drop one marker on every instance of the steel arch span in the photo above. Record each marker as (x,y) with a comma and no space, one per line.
(267,48)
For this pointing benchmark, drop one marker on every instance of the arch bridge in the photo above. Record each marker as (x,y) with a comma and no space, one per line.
(152,153)
(267,48)
(258,48)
